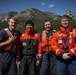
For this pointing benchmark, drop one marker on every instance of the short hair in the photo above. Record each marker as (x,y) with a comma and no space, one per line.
(65,16)
(13,19)
(47,20)
(29,22)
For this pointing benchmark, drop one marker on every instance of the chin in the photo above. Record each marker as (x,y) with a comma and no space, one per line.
(65,26)
(29,30)
(13,28)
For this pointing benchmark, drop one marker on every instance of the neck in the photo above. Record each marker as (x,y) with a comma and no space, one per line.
(48,31)
(65,27)
(11,29)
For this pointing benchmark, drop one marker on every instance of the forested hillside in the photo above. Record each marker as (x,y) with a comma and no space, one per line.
(36,16)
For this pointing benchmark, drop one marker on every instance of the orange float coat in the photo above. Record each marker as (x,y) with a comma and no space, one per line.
(45,44)
(31,42)
(59,45)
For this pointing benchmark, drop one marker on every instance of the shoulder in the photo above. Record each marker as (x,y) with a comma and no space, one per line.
(42,32)
(18,31)
(54,30)
(37,35)
(58,32)
(2,32)
(55,35)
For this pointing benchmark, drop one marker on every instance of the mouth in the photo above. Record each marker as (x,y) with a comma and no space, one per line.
(13,27)
(65,24)
(47,27)
(29,29)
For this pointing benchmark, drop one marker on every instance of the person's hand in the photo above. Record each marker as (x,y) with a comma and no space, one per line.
(66,56)
(11,39)
(18,63)
(38,62)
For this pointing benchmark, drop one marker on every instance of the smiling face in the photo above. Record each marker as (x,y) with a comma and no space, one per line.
(64,22)
(29,27)
(47,25)
(12,24)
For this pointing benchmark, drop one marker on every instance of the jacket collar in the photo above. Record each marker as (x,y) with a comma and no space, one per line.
(66,31)
(30,32)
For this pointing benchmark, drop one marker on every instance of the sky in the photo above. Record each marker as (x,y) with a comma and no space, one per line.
(55,6)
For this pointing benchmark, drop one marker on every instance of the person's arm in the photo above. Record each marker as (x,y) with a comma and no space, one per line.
(3,37)
(9,41)
(72,51)
(56,50)
(39,59)
(18,47)
(39,47)
(54,46)
(18,51)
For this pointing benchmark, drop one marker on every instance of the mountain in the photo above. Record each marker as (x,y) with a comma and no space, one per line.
(28,14)
(35,15)
(6,16)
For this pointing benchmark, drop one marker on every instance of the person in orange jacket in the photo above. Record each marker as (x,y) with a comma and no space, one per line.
(10,48)
(45,55)
(63,45)
(30,45)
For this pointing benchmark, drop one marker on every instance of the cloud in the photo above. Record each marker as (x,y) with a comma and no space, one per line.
(51,5)
(43,3)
